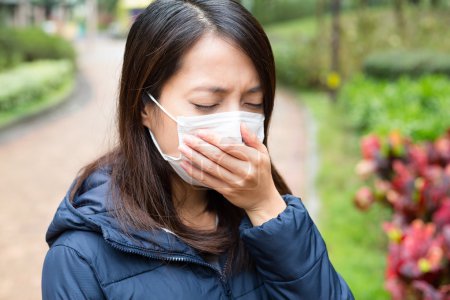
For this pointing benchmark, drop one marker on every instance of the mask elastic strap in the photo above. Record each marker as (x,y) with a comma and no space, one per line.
(153,137)
(162,108)
(165,156)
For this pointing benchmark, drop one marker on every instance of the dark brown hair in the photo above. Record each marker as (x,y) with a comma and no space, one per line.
(157,40)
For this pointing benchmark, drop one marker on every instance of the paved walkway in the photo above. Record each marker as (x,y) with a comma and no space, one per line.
(39,160)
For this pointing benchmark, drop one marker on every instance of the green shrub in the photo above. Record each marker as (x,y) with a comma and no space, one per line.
(417,108)
(31,81)
(394,64)
(270,11)
(293,69)
(302,47)
(29,44)
(9,49)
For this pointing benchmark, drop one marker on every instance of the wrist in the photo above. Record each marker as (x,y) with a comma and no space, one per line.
(269,209)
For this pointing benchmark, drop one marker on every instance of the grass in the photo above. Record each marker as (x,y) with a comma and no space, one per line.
(44,103)
(356,243)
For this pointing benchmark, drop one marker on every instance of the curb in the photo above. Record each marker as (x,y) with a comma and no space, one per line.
(80,95)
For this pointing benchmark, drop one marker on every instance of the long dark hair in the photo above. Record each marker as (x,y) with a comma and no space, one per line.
(157,40)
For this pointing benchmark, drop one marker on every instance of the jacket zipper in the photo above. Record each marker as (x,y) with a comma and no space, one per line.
(222,276)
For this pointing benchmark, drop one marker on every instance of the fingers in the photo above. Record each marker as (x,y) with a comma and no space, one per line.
(218,179)
(200,176)
(205,164)
(251,139)
(233,164)
(239,151)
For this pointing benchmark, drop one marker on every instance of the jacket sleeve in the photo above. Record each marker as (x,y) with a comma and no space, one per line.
(66,275)
(292,257)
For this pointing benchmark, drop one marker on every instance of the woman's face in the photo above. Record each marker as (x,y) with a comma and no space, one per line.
(215,76)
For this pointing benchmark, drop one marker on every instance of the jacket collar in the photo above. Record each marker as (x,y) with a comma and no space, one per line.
(89,212)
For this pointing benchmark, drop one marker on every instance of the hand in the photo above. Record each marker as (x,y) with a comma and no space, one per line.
(240,172)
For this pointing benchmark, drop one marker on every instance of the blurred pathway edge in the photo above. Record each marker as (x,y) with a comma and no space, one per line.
(293,147)
(77,97)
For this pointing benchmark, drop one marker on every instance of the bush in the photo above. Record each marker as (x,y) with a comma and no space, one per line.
(269,11)
(302,47)
(414,180)
(29,44)
(417,108)
(293,69)
(394,64)
(32,81)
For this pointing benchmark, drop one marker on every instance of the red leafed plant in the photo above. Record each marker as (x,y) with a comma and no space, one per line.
(414,180)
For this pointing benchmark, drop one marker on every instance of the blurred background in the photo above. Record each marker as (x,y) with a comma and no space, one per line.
(363,102)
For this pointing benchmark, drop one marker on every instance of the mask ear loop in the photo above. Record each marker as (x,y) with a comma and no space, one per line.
(153,137)
(162,108)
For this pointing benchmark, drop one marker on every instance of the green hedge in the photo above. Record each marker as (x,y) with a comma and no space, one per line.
(292,67)
(394,64)
(419,108)
(28,44)
(302,47)
(270,11)
(32,81)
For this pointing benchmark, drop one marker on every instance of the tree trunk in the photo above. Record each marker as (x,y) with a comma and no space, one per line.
(23,13)
(91,19)
(399,16)
(335,43)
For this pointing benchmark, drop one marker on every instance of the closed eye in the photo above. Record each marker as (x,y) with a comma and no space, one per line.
(255,105)
(205,107)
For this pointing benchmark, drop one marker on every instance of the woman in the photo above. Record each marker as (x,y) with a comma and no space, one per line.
(188,204)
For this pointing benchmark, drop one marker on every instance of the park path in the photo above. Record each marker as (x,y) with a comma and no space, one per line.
(39,160)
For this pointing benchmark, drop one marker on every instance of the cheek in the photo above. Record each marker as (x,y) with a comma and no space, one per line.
(166,135)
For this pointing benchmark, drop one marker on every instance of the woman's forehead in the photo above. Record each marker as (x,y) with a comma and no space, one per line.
(214,62)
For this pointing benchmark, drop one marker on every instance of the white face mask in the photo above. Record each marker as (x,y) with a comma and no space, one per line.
(226,124)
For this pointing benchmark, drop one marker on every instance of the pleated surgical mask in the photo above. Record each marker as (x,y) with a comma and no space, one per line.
(225,124)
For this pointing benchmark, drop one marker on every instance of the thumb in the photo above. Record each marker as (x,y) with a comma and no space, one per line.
(250,139)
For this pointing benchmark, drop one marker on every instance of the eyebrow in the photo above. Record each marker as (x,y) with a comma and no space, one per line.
(221,90)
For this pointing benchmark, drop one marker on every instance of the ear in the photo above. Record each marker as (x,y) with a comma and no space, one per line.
(146,114)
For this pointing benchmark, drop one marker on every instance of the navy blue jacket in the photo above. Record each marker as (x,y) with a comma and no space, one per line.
(90,258)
